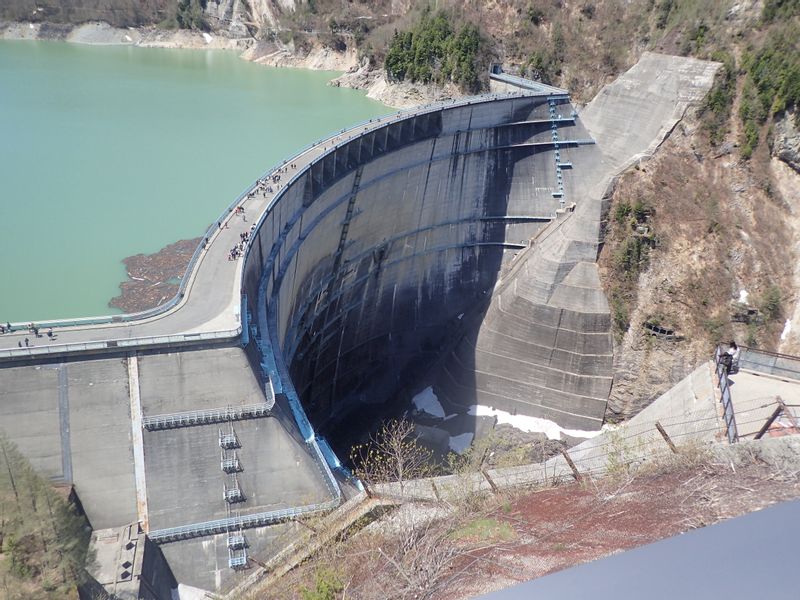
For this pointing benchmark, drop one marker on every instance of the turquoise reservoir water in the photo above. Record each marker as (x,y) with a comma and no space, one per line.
(106,152)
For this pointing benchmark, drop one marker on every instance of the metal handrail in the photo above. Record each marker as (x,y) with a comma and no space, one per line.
(528,84)
(725,398)
(776,363)
(33,351)
(204,417)
(161,536)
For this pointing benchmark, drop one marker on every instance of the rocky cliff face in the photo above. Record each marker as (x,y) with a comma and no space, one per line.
(119,13)
(236,18)
(699,249)
(786,144)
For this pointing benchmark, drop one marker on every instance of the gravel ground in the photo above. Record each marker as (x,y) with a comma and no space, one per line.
(572,524)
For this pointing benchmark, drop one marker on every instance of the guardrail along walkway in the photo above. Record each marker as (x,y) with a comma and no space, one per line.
(206,417)
(231,524)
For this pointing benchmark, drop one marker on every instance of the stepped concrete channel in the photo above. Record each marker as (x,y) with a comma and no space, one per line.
(453,243)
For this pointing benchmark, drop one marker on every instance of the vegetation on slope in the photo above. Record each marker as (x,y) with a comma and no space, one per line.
(43,541)
(749,94)
(432,51)
(189,15)
(475,538)
(772,81)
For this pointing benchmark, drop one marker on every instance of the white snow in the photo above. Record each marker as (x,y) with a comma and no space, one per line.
(207,38)
(743,296)
(787,327)
(426,401)
(128,38)
(459,443)
(187,592)
(530,424)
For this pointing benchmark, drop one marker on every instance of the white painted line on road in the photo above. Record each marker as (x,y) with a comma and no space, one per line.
(138,441)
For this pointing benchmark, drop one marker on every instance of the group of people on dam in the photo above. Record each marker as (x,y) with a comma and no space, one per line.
(238,249)
(264,186)
(32,328)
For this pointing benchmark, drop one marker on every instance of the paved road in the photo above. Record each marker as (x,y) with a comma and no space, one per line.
(211,305)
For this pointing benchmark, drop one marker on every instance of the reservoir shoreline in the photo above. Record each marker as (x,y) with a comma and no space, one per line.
(149,275)
(156,141)
(353,73)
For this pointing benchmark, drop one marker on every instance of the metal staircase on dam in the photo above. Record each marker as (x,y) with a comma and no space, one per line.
(554,119)
(205,417)
(237,550)
(229,463)
(228,440)
(232,492)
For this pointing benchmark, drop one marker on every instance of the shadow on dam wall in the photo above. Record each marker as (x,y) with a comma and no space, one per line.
(382,255)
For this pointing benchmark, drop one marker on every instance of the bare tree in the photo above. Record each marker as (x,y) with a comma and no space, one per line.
(419,563)
(392,454)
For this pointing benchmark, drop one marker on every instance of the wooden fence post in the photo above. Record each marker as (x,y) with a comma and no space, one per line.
(663,433)
(575,473)
(775,414)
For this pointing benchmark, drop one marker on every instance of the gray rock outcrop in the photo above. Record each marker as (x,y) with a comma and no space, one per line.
(786,144)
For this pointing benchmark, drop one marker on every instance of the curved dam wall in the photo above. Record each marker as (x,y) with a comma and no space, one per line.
(376,258)
(544,347)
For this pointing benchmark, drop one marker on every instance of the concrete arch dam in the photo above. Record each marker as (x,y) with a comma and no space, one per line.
(457,246)
(453,246)
(379,260)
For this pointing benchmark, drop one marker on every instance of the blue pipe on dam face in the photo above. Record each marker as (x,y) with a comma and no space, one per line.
(367,257)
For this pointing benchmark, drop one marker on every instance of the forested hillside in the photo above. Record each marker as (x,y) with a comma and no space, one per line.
(43,540)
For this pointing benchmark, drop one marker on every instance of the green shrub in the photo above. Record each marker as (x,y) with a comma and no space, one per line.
(619,313)
(622,212)
(189,15)
(641,211)
(43,540)
(773,71)
(780,9)
(771,303)
(327,586)
(535,15)
(631,257)
(432,51)
(717,108)
(752,336)
(663,11)
(542,66)
(715,326)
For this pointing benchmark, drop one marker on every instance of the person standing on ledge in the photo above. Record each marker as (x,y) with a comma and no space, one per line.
(730,358)
(734,351)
